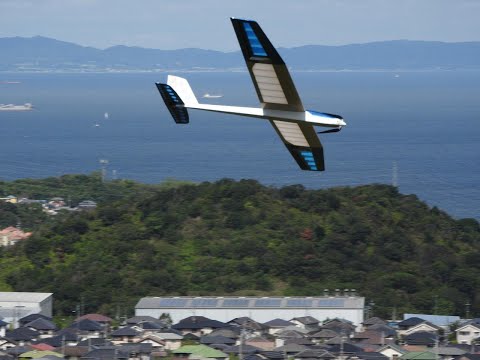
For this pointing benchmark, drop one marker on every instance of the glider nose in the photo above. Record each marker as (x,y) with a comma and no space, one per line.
(341,122)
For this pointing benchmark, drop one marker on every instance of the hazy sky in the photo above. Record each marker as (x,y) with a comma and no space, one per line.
(205,24)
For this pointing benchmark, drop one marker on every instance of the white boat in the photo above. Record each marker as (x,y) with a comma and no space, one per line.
(209,96)
(12,107)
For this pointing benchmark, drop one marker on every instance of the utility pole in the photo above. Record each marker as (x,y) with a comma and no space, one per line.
(104,164)
(395,174)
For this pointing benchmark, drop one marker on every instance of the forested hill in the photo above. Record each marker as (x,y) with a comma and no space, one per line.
(240,237)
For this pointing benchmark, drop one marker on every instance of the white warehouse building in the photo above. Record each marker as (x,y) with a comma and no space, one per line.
(261,309)
(15,305)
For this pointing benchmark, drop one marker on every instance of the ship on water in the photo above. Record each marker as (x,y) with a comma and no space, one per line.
(211,96)
(12,107)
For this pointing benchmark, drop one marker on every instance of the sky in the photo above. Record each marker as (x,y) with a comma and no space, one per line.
(176,24)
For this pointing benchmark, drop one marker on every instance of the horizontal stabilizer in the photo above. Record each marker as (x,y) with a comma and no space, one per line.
(174,103)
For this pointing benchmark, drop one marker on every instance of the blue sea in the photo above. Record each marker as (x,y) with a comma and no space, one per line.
(420,130)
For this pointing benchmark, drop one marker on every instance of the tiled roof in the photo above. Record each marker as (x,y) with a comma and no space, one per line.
(125,331)
(278,323)
(22,334)
(95,317)
(41,324)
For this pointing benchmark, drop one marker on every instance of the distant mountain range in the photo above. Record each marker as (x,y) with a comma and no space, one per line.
(43,54)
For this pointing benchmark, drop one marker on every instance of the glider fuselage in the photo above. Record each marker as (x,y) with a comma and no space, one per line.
(309,116)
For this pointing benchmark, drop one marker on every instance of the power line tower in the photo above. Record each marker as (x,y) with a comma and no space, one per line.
(104,164)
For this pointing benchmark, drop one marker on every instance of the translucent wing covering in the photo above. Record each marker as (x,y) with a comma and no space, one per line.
(302,142)
(271,78)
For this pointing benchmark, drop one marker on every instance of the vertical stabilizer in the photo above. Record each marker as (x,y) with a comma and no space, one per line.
(183,89)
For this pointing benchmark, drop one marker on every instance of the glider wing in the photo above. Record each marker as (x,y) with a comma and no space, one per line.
(302,142)
(270,75)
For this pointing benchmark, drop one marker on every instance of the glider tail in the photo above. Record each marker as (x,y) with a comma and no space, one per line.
(177,95)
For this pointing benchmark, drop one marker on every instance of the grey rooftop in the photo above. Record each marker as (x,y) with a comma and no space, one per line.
(344,302)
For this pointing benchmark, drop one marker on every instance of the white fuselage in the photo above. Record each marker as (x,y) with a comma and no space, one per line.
(314,118)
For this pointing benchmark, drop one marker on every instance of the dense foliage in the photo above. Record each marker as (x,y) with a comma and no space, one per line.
(239,237)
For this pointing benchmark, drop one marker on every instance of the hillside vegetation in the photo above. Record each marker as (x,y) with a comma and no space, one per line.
(240,237)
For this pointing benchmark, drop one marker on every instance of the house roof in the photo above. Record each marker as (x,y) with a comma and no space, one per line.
(31,317)
(245,349)
(86,325)
(22,334)
(345,347)
(450,350)
(106,353)
(385,329)
(201,350)
(392,346)
(151,325)
(306,320)
(291,348)
(314,353)
(173,336)
(198,322)
(278,323)
(420,338)
(125,331)
(216,340)
(273,355)
(324,334)
(41,324)
(95,317)
(94,342)
(419,355)
(35,354)
(438,320)
(410,322)
(42,346)
(371,356)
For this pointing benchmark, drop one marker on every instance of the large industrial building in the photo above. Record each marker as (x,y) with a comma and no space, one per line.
(261,309)
(15,305)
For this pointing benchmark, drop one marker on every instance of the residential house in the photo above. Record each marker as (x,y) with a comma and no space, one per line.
(422,338)
(31,317)
(422,327)
(449,352)
(45,328)
(126,334)
(373,321)
(22,335)
(392,351)
(308,323)
(3,328)
(106,353)
(6,344)
(198,325)
(87,328)
(11,235)
(323,336)
(276,325)
(209,340)
(408,323)
(173,341)
(310,354)
(468,334)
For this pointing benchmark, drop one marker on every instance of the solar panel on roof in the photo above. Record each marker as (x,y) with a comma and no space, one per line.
(268,302)
(331,302)
(173,302)
(204,302)
(235,302)
(299,302)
